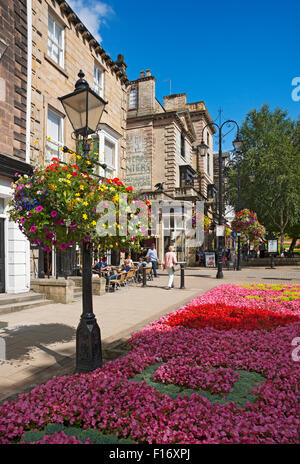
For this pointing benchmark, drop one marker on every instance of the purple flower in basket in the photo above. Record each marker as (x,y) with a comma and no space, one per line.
(50,236)
(63,246)
(47,249)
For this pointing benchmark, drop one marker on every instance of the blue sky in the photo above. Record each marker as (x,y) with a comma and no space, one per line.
(234,55)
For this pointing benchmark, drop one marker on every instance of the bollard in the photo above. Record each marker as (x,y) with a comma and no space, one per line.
(272,261)
(144,276)
(182,275)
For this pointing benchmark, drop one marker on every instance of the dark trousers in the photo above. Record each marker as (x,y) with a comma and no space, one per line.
(154,267)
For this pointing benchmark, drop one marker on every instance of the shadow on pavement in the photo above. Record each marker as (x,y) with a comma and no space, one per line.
(20,340)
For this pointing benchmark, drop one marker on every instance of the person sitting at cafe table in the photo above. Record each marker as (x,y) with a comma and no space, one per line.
(128,264)
(97,266)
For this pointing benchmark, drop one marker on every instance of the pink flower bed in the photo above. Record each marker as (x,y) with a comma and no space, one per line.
(182,372)
(204,358)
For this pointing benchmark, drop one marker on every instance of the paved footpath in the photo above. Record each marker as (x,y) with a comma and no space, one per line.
(40,342)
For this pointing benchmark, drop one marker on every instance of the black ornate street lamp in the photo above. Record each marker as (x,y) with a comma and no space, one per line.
(203,150)
(237,157)
(84,109)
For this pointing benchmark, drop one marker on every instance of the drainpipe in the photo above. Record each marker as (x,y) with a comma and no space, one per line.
(28,117)
(29,73)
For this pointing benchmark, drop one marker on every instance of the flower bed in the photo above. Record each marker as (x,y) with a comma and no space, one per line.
(180,385)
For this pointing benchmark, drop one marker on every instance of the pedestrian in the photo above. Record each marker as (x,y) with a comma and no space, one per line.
(152,255)
(232,257)
(262,250)
(169,262)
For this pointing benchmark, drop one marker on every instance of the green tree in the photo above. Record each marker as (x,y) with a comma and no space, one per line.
(271,151)
(293,232)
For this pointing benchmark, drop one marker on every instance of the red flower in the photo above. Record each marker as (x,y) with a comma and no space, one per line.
(129,189)
(226,317)
(75,166)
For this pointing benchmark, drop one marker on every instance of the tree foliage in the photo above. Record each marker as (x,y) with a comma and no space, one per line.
(271,151)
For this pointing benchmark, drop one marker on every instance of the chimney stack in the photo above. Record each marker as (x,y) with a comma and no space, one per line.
(142,74)
(148,72)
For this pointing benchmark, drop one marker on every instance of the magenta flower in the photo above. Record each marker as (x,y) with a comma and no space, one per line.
(50,236)
(53,213)
(22,220)
(73,226)
(63,246)
(39,208)
(33,228)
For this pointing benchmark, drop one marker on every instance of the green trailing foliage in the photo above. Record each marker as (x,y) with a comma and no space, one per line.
(241,394)
(95,436)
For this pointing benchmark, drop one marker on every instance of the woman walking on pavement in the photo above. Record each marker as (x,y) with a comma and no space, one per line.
(168,264)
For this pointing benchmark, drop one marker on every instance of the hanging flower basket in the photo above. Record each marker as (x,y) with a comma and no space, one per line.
(57,206)
(247,224)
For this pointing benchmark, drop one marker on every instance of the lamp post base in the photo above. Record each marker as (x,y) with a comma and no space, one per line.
(219,275)
(88,345)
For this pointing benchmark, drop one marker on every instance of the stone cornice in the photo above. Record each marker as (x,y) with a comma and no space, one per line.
(205,113)
(143,79)
(163,116)
(93,43)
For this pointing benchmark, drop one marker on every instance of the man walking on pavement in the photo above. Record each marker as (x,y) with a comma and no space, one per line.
(152,255)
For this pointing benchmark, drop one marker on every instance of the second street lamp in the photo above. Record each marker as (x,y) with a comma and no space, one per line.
(84,109)
(203,148)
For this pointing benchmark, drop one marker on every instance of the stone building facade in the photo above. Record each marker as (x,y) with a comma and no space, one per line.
(163,159)
(43,45)
(61,46)
(14,248)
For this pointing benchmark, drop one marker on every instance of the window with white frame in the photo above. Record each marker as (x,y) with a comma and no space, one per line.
(133,98)
(54,135)
(98,80)
(110,158)
(55,40)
